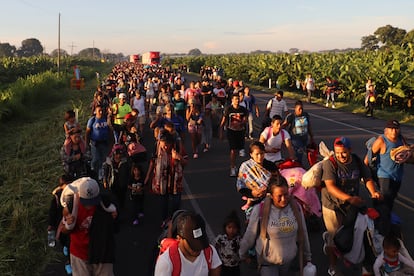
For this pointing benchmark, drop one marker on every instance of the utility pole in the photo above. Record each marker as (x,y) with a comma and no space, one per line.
(58,60)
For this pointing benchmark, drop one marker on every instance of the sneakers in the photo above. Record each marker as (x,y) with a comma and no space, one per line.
(195,155)
(135,222)
(233,172)
(140,215)
(242,153)
(205,150)
(325,237)
(68,269)
(333,106)
(65,251)
(334,272)
(327,105)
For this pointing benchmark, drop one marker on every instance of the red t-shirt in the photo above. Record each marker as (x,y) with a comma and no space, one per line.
(79,237)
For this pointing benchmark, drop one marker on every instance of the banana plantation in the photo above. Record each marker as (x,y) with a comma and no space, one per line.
(392,70)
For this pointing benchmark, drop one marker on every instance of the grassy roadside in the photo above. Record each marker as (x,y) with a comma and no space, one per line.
(30,142)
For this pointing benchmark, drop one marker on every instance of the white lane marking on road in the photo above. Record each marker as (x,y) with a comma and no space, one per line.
(197,209)
(345,124)
(333,121)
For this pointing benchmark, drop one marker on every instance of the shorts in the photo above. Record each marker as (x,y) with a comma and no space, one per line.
(332,220)
(82,267)
(236,139)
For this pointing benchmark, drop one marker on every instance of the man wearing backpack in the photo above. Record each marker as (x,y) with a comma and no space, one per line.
(273,137)
(275,106)
(341,175)
(201,258)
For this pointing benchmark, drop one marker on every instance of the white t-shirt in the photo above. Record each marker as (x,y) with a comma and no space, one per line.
(310,84)
(272,141)
(199,267)
(219,92)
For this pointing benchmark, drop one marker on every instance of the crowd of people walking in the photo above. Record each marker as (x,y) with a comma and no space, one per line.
(108,162)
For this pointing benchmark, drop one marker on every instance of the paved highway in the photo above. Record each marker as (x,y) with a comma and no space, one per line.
(211,192)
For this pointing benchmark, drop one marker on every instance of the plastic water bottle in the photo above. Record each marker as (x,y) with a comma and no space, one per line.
(309,269)
(51,238)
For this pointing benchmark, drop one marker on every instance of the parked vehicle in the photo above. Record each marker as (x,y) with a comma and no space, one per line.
(151,58)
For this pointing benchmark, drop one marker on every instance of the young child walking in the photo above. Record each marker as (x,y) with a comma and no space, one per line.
(228,244)
(136,188)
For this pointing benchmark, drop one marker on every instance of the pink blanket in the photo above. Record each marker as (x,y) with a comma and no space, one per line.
(309,197)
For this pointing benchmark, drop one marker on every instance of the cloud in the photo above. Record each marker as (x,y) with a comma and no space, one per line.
(234,33)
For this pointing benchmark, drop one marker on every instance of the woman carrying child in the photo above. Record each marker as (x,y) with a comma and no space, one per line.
(254,175)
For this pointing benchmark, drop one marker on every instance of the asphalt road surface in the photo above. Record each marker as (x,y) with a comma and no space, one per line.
(211,192)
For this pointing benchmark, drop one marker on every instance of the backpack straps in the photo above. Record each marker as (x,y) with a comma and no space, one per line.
(270,132)
(208,254)
(333,161)
(301,235)
(176,260)
(264,212)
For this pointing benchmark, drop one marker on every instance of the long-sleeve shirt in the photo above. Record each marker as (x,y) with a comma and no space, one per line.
(282,229)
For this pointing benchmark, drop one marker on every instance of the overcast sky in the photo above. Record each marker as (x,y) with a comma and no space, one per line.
(177,26)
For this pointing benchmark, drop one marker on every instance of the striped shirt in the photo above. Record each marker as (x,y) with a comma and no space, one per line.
(277,107)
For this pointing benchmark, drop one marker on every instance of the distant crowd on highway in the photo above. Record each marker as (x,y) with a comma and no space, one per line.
(114,158)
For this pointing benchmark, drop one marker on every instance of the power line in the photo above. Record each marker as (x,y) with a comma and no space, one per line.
(71,48)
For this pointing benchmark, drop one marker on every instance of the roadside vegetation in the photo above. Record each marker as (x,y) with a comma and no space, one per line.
(33,104)
(31,127)
(391,68)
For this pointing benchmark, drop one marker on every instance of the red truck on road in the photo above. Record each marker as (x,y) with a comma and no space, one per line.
(151,58)
(134,58)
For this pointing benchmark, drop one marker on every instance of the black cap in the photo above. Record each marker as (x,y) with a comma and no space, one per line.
(192,228)
(392,124)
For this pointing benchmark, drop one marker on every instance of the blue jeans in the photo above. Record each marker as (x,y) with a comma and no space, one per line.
(299,144)
(99,152)
(389,189)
